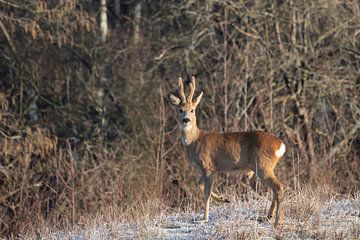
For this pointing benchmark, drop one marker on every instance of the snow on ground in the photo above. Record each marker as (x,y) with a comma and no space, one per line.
(340,215)
(334,219)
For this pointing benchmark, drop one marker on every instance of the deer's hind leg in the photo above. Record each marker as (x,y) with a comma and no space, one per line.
(278,196)
(272,207)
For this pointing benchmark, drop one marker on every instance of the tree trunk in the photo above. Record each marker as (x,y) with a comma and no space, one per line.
(103,21)
(137,22)
(117,11)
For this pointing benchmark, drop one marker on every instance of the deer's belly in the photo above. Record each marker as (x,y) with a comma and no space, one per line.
(229,163)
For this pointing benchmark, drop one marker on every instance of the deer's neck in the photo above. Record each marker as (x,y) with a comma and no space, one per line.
(190,135)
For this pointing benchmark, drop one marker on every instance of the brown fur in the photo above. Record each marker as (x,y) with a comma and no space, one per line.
(211,152)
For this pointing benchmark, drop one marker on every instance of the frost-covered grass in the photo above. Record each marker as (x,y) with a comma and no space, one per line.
(307,215)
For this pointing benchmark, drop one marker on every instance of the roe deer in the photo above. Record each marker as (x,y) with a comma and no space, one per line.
(210,152)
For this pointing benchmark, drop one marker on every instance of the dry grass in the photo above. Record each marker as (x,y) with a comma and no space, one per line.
(309,214)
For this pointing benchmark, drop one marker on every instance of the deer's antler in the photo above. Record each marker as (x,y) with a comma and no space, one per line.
(181,90)
(192,89)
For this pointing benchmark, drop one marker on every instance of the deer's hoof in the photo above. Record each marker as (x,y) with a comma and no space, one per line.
(277,225)
(200,221)
(263,219)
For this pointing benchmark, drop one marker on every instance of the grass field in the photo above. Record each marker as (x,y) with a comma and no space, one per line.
(308,214)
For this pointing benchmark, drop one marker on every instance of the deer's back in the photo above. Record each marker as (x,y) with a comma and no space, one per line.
(236,150)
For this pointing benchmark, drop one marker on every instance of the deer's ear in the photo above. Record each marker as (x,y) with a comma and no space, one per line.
(175,100)
(198,98)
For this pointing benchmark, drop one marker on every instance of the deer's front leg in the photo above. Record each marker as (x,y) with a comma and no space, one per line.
(208,182)
(215,196)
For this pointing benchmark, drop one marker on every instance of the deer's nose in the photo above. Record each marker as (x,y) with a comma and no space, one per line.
(186,120)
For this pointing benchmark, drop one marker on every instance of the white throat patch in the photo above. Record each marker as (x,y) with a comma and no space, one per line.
(183,140)
(185,129)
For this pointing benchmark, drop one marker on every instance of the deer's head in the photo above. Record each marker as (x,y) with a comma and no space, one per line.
(186,106)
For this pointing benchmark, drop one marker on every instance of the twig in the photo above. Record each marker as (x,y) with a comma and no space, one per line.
(7,36)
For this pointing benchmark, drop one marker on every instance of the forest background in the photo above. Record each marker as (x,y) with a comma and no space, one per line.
(84,119)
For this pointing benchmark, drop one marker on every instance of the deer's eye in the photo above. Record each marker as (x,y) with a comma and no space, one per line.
(180,111)
(192,110)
